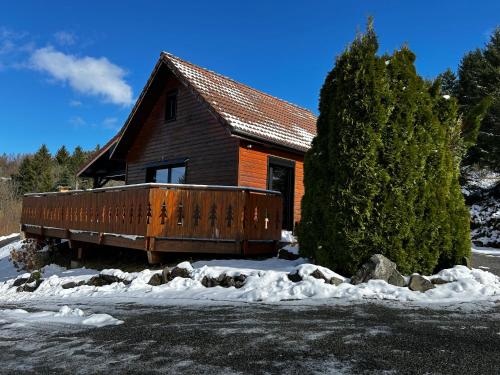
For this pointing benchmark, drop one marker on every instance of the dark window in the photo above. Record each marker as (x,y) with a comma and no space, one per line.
(172,174)
(171,106)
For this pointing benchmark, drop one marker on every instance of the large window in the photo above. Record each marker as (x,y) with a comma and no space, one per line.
(172,174)
(171,106)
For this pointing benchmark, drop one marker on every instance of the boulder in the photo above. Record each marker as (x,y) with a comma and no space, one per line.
(378,268)
(438,281)
(72,284)
(294,277)
(97,281)
(419,283)
(224,281)
(287,255)
(156,280)
(178,272)
(165,274)
(20,281)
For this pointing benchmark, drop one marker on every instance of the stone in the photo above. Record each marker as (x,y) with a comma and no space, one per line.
(110,279)
(224,281)
(287,255)
(30,286)
(69,285)
(178,272)
(378,268)
(156,280)
(97,281)
(335,281)
(438,281)
(419,283)
(20,281)
(295,277)
(166,274)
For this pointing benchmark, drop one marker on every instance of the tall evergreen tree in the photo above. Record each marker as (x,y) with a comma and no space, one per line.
(449,83)
(26,177)
(479,89)
(382,173)
(62,156)
(42,163)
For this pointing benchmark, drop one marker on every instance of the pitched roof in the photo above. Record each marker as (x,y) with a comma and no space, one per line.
(247,111)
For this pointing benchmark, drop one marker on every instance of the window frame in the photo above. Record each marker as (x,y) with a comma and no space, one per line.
(151,170)
(171,96)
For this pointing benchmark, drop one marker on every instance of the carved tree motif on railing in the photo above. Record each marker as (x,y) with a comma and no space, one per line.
(180,214)
(139,214)
(229,216)
(148,213)
(110,213)
(255,216)
(196,215)
(266,220)
(123,213)
(163,213)
(213,215)
(131,213)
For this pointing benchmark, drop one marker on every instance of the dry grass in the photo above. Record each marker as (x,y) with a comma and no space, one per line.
(10,209)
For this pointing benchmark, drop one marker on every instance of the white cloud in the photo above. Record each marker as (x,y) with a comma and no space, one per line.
(75,103)
(87,75)
(77,121)
(111,123)
(65,38)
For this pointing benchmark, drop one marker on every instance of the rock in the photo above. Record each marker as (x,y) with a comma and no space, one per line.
(29,286)
(335,281)
(419,283)
(438,281)
(378,268)
(295,277)
(20,281)
(97,281)
(287,255)
(179,272)
(110,279)
(156,280)
(165,275)
(35,276)
(69,285)
(224,281)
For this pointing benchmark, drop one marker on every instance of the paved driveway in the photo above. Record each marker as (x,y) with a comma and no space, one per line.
(255,339)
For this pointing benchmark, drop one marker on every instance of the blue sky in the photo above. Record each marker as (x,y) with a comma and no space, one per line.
(70,71)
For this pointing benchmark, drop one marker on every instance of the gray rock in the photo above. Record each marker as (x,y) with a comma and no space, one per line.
(438,281)
(335,281)
(30,286)
(166,274)
(97,281)
(156,280)
(287,255)
(420,284)
(378,268)
(72,284)
(178,272)
(294,277)
(20,281)
(224,281)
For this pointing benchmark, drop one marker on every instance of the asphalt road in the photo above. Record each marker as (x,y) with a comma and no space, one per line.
(290,338)
(256,339)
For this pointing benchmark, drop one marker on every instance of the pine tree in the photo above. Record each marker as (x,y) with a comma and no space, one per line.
(62,156)
(42,163)
(449,83)
(26,177)
(382,173)
(479,90)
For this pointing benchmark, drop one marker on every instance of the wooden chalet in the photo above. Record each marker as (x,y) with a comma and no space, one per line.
(201,158)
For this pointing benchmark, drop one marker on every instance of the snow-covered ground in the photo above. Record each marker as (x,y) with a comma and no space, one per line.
(19,318)
(267,281)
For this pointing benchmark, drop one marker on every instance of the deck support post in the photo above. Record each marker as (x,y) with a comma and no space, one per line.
(154,257)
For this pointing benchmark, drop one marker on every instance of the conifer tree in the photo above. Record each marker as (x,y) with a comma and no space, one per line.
(42,163)
(382,173)
(479,90)
(26,176)
(62,156)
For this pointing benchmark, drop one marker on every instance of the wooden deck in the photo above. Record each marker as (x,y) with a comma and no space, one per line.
(160,218)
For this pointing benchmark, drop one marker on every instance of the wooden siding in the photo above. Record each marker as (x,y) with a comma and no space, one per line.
(253,169)
(195,134)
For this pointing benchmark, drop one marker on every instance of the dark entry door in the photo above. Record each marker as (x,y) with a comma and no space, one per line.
(281,177)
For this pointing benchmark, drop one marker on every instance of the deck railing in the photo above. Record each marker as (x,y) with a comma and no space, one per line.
(161,211)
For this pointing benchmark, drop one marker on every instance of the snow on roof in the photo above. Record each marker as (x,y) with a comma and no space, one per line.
(249,111)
